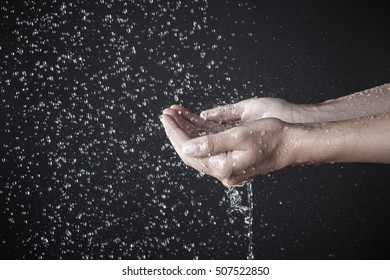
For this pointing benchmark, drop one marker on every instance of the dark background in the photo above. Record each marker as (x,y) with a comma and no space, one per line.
(86,171)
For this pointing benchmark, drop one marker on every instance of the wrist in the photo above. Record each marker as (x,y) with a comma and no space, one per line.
(312,113)
(292,145)
(311,143)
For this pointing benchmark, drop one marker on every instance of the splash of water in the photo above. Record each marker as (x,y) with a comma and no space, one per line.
(236,205)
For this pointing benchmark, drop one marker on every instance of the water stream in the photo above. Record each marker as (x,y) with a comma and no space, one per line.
(236,205)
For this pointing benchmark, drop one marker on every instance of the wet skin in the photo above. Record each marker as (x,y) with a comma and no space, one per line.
(237,142)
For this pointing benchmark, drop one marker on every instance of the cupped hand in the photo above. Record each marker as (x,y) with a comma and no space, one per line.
(181,126)
(255,109)
(192,124)
(232,154)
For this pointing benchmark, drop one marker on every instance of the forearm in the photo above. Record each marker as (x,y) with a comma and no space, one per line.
(369,102)
(364,139)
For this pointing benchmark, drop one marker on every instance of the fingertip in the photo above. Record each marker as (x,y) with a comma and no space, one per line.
(177,107)
(167,118)
(189,148)
(166,111)
(170,111)
(163,118)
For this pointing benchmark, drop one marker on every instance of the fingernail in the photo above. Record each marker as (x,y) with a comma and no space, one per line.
(189,148)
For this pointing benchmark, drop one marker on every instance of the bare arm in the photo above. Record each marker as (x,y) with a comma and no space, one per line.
(369,102)
(365,139)
(237,142)
(265,145)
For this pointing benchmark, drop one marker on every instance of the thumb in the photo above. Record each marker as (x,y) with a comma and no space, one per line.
(210,145)
(228,113)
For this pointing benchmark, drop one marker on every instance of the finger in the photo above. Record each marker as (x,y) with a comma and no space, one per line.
(177,138)
(188,115)
(188,127)
(235,181)
(245,170)
(174,132)
(195,122)
(237,166)
(213,144)
(224,166)
(238,178)
(224,114)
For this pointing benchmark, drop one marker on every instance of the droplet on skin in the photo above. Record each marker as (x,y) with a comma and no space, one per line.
(203,147)
(217,161)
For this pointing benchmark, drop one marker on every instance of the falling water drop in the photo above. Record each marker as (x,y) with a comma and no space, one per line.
(80,133)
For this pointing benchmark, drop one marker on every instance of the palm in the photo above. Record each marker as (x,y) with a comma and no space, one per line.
(251,110)
(262,108)
(181,125)
(193,125)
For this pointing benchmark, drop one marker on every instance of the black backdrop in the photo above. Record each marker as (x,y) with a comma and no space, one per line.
(87,172)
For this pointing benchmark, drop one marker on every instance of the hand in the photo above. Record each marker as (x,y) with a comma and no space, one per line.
(230,154)
(255,109)
(181,125)
(192,124)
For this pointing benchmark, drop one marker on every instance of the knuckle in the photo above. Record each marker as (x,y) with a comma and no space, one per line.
(210,144)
